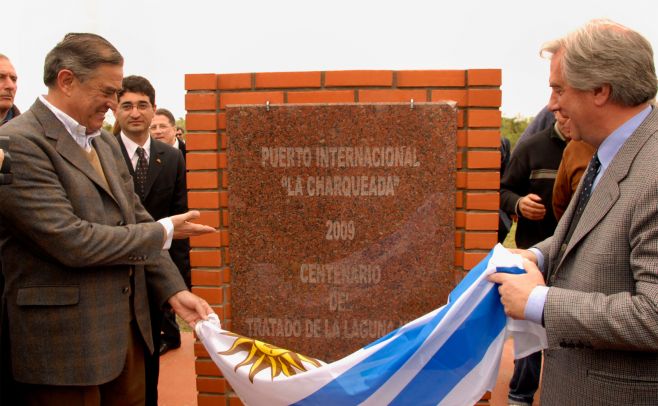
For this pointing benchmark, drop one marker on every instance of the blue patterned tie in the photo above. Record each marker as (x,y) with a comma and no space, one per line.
(586,192)
(141,170)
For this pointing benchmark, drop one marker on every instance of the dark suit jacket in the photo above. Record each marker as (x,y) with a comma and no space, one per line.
(69,247)
(532,169)
(601,312)
(182,147)
(166,194)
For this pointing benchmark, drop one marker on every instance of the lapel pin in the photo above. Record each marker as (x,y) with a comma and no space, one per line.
(158,160)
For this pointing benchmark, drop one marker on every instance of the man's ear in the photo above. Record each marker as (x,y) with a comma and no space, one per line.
(602,94)
(65,81)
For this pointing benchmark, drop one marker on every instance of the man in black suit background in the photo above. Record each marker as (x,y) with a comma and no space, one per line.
(158,172)
(163,128)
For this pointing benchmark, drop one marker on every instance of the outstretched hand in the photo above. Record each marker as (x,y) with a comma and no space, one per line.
(190,307)
(515,289)
(183,228)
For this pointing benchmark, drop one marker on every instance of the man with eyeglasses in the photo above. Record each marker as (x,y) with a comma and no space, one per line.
(81,256)
(158,172)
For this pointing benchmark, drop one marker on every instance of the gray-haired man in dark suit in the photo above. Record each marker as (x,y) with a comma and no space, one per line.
(600,305)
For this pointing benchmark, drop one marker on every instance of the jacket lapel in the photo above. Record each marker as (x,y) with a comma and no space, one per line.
(155,165)
(126,158)
(66,145)
(109,164)
(607,193)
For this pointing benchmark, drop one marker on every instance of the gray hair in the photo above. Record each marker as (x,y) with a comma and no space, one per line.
(605,52)
(80,53)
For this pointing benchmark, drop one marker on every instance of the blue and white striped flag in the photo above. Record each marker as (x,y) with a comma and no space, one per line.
(447,357)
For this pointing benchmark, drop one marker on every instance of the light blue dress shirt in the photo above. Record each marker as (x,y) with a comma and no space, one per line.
(534,309)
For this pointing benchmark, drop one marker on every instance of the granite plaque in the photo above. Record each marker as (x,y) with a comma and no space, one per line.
(341,220)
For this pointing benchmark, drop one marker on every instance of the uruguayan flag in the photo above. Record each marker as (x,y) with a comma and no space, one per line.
(447,357)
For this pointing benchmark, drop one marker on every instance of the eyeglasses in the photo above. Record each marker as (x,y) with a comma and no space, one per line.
(141,106)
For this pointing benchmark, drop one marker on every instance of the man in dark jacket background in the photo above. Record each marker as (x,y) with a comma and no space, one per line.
(8,87)
(526,190)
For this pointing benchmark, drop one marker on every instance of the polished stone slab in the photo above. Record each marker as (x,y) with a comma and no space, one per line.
(341,220)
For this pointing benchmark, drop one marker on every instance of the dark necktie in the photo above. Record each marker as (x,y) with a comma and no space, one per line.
(586,192)
(140,173)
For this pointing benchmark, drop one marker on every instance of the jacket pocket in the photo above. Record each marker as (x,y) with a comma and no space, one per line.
(48,296)
(615,389)
(615,379)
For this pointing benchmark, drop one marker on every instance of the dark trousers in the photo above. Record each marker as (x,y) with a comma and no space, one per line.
(504,225)
(525,380)
(152,361)
(159,322)
(170,330)
(9,394)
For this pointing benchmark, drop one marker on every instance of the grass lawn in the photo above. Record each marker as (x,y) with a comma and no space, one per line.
(182,324)
(509,241)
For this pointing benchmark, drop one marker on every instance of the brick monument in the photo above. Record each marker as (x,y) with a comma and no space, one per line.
(473,201)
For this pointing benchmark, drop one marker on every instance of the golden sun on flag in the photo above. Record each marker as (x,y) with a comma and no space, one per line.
(263,355)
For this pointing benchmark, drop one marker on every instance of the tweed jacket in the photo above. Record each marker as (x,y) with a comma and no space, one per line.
(75,249)
(601,312)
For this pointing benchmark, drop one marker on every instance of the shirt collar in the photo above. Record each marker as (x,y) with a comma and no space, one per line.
(77,131)
(11,113)
(558,132)
(176,144)
(611,145)
(131,146)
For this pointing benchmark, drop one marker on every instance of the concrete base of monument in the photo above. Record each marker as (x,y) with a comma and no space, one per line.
(177,385)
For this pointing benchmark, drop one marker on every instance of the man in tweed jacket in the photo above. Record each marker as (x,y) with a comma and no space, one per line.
(78,249)
(600,305)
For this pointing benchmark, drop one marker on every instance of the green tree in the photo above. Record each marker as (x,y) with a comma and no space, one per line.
(181,123)
(512,128)
(107,126)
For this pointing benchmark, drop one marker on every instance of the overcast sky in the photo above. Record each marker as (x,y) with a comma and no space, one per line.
(162,40)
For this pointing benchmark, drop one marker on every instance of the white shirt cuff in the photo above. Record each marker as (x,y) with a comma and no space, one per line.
(169,227)
(534,309)
(540,258)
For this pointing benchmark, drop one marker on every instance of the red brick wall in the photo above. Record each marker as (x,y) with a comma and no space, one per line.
(478,96)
